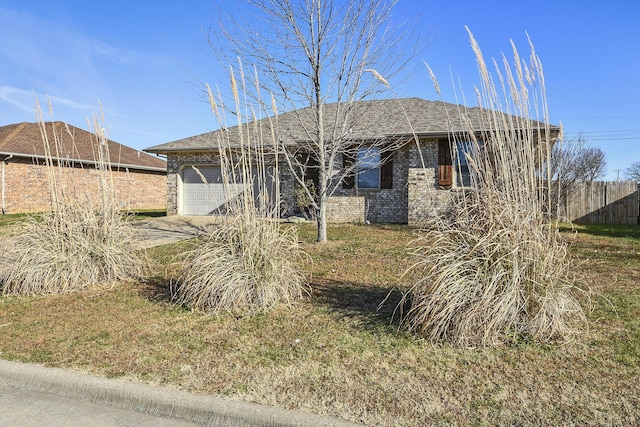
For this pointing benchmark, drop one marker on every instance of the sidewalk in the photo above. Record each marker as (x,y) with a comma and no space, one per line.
(32,408)
(32,395)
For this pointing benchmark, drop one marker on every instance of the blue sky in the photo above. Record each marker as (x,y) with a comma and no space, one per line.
(146,62)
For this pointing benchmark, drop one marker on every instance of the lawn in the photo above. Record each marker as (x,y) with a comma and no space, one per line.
(9,220)
(339,351)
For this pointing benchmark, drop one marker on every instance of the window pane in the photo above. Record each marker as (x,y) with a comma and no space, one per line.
(463,147)
(368,158)
(369,178)
(462,166)
(368,167)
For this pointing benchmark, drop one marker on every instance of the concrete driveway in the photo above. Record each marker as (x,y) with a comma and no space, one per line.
(171,229)
(154,231)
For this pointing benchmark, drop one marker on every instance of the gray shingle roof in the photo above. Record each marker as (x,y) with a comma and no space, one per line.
(368,120)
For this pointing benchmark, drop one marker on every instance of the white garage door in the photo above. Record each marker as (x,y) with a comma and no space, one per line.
(203,191)
(202,196)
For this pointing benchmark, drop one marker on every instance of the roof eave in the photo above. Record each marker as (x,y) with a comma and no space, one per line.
(9,155)
(166,151)
(424,134)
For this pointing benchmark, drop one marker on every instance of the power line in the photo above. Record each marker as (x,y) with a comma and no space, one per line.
(595,103)
(637,138)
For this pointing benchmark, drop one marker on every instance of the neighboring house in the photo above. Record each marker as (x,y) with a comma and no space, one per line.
(401,186)
(139,178)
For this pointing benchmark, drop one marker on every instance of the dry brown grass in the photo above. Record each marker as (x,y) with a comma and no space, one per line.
(68,250)
(485,282)
(336,353)
(248,263)
(78,244)
(491,270)
(243,266)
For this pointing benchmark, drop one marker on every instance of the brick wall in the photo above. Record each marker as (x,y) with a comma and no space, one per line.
(425,199)
(346,209)
(26,187)
(288,192)
(385,205)
(414,197)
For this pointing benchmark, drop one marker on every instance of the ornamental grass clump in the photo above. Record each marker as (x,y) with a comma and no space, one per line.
(243,265)
(493,269)
(248,262)
(71,249)
(83,242)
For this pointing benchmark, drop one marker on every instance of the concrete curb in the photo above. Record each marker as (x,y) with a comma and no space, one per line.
(157,401)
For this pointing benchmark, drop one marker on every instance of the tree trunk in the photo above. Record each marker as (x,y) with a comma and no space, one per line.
(322,156)
(322,193)
(322,221)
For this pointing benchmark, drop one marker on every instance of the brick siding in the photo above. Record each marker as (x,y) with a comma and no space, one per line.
(346,209)
(26,187)
(413,198)
(425,198)
(385,205)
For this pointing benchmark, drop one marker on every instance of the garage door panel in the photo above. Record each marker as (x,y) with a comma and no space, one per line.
(211,174)
(198,189)
(203,192)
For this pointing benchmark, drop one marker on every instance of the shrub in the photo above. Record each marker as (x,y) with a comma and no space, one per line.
(247,262)
(243,265)
(84,240)
(71,249)
(493,269)
(486,281)
(304,202)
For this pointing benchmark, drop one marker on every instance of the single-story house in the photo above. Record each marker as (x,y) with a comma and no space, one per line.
(139,179)
(400,187)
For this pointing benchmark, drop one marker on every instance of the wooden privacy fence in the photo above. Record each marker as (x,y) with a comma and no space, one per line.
(600,202)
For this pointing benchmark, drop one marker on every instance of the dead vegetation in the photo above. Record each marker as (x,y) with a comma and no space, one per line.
(248,262)
(492,270)
(336,352)
(84,241)
(243,266)
(71,249)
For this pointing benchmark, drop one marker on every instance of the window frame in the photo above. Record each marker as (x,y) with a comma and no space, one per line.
(461,166)
(453,167)
(384,169)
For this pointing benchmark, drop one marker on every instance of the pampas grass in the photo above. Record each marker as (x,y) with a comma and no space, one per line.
(252,266)
(248,262)
(71,249)
(82,242)
(493,270)
(486,281)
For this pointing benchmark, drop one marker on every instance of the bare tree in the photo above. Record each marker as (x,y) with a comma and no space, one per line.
(574,162)
(633,171)
(325,56)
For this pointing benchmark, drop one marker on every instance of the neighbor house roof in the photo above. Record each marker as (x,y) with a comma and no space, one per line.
(74,144)
(371,120)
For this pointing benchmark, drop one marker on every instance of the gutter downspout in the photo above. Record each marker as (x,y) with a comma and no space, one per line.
(4,162)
